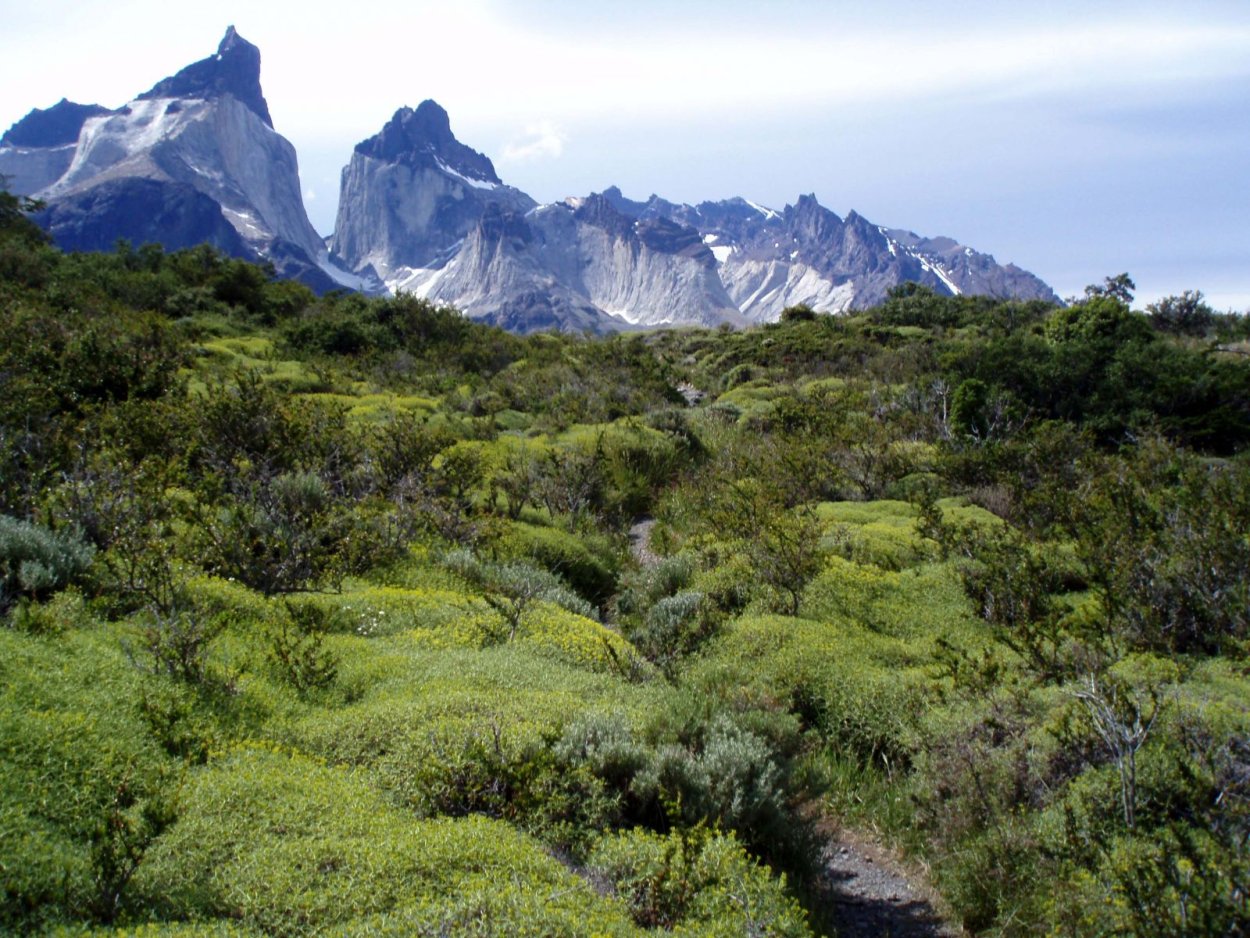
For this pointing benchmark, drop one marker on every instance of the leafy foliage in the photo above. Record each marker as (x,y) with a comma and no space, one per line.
(35,561)
(324,618)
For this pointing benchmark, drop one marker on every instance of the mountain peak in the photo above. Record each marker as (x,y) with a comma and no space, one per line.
(811,221)
(412,136)
(51,127)
(232,40)
(623,205)
(597,209)
(431,119)
(234,70)
(808,204)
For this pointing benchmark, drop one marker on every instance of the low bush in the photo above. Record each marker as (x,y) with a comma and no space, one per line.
(863,693)
(692,881)
(36,561)
(288,847)
(84,788)
(587,564)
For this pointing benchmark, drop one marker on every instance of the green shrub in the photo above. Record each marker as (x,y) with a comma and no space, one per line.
(605,744)
(463,731)
(643,588)
(673,628)
(288,847)
(35,561)
(693,882)
(84,789)
(993,879)
(588,564)
(864,693)
(512,588)
(297,649)
(282,535)
(712,770)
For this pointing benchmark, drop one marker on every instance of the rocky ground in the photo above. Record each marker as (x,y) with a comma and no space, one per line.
(640,543)
(871,895)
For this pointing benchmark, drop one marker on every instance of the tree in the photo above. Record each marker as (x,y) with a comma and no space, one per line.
(14,210)
(1123,722)
(1119,287)
(511,589)
(783,546)
(1162,538)
(1186,314)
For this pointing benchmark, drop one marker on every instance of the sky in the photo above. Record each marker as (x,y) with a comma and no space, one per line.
(1075,139)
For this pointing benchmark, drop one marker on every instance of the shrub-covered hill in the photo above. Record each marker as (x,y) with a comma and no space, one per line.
(319,614)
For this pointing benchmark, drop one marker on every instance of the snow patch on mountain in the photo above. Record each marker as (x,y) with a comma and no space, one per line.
(768,213)
(475,183)
(344,278)
(933,267)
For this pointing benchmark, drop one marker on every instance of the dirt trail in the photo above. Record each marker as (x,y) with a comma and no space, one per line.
(869,894)
(640,543)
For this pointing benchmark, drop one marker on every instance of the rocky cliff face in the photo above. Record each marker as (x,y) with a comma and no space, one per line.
(806,254)
(575,265)
(157,168)
(410,193)
(140,210)
(421,212)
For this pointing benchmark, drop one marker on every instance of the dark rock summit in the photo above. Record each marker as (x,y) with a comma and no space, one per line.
(410,136)
(411,193)
(56,126)
(811,222)
(598,211)
(234,70)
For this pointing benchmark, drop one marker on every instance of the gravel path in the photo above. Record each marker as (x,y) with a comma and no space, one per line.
(868,893)
(871,896)
(640,543)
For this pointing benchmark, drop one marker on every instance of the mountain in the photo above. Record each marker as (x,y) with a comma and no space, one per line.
(806,254)
(410,193)
(194,159)
(421,212)
(574,265)
(197,159)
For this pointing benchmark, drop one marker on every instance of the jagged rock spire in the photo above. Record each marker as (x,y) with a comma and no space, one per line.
(411,135)
(234,70)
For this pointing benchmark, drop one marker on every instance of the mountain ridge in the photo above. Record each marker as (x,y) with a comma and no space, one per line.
(197,156)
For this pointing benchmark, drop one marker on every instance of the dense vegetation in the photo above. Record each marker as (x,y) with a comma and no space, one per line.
(320,615)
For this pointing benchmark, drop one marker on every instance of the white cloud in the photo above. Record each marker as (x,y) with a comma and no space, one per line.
(539,140)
